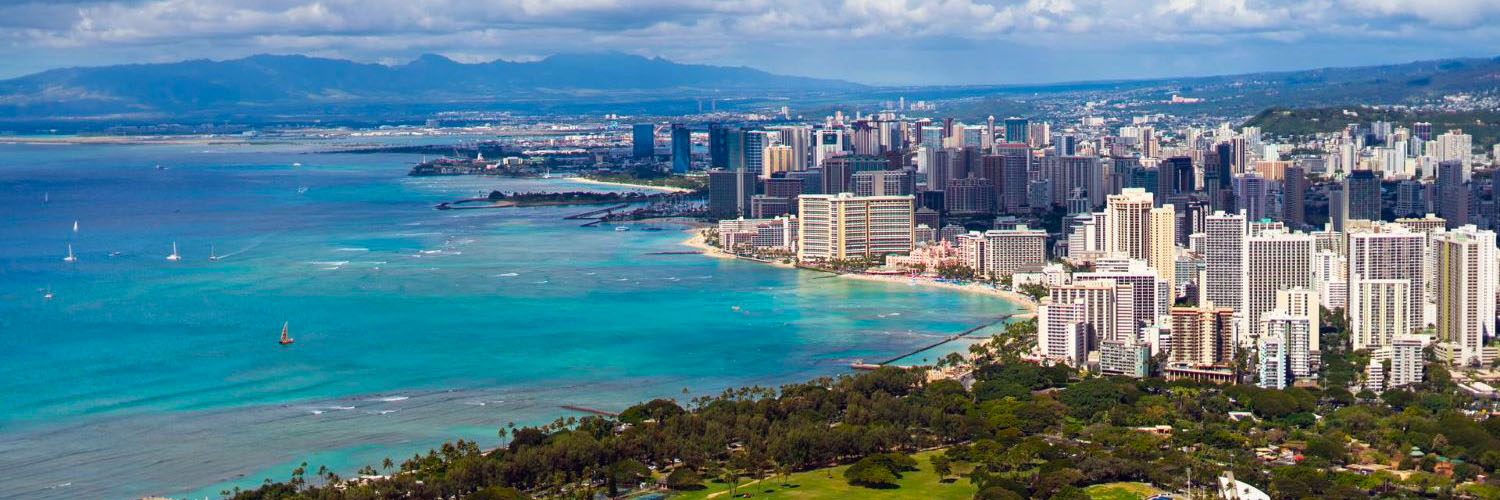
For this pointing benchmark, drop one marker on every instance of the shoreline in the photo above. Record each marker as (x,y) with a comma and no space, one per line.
(666,189)
(1023,302)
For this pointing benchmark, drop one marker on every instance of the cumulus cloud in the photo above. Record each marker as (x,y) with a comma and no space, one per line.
(793,34)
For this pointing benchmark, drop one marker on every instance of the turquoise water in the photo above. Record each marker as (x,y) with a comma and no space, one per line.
(413,326)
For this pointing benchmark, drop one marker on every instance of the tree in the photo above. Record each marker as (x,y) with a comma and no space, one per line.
(942,466)
(1034,290)
(683,479)
(497,493)
(627,471)
(870,474)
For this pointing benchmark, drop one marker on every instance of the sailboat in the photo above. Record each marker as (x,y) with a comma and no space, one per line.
(70,257)
(47,197)
(214,257)
(75,226)
(48,294)
(285,340)
(174,257)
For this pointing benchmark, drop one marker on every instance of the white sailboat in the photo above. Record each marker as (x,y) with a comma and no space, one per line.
(47,197)
(212,256)
(174,257)
(70,257)
(75,226)
(48,294)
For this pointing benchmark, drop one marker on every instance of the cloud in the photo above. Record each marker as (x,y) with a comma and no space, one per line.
(797,35)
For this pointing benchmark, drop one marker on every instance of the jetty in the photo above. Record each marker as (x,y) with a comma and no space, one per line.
(860,365)
(585,409)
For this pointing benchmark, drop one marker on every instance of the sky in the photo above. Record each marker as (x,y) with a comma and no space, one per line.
(880,42)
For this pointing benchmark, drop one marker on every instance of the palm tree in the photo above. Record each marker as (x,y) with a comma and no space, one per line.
(387,464)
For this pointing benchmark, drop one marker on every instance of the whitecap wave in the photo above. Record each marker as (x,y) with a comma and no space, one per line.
(390,399)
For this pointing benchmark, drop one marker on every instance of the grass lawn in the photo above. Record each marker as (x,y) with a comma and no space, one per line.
(1121,491)
(816,485)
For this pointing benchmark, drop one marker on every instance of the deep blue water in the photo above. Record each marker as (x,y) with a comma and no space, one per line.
(413,326)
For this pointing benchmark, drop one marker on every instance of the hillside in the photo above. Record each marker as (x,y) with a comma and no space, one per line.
(1483,125)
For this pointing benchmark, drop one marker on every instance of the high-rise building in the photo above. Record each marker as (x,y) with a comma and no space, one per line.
(1134,229)
(1223,260)
(682,148)
(1252,193)
(1406,360)
(1293,196)
(839,170)
(1387,253)
(1466,281)
(883,183)
(1453,195)
(1062,332)
(972,195)
(718,146)
(775,159)
(1293,334)
(1109,307)
(729,193)
(1152,295)
(1175,176)
(1202,335)
(1383,309)
(1002,252)
(643,140)
(1016,130)
(1363,190)
(843,226)
(1303,303)
(1274,261)
(1272,361)
(1409,199)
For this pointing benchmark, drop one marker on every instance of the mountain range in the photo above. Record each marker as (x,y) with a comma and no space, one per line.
(270,80)
(301,89)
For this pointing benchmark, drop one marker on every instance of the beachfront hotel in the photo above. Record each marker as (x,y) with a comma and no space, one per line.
(845,226)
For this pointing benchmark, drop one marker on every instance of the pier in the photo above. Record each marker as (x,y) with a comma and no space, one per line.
(593,214)
(950,338)
(585,409)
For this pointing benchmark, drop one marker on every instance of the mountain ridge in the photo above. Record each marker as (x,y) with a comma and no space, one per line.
(270,79)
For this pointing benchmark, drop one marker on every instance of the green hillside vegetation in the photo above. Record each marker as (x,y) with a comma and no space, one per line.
(1021,431)
(1302,122)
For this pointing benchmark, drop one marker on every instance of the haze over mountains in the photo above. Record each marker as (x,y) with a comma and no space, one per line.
(296,88)
(275,79)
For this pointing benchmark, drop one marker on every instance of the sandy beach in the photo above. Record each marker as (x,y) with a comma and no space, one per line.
(696,241)
(666,189)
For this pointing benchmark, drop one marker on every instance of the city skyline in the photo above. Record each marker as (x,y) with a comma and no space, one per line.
(876,43)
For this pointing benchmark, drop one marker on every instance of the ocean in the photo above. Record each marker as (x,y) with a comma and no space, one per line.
(413,326)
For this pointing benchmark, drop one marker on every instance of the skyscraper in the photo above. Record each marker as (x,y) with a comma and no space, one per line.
(1466,280)
(1389,258)
(1363,190)
(718,146)
(1251,193)
(1453,196)
(1293,196)
(1136,230)
(1202,335)
(682,148)
(1016,130)
(1223,258)
(729,193)
(1274,261)
(643,140)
